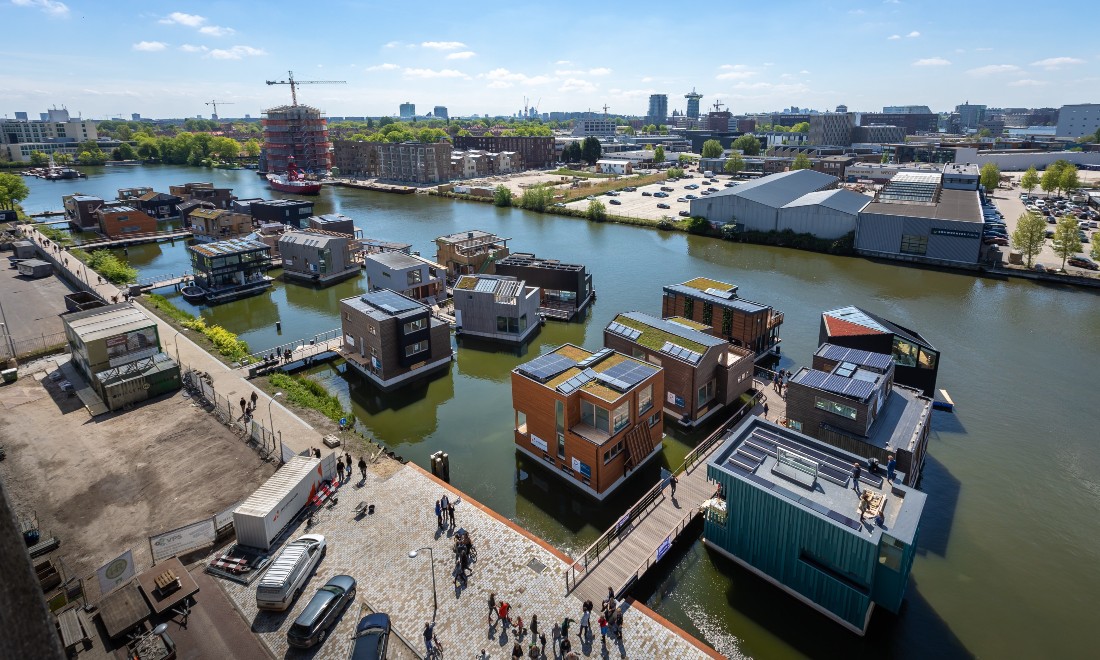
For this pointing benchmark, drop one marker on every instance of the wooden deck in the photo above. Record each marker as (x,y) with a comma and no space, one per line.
(136,239)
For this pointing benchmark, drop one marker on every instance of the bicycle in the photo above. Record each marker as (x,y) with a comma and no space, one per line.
(437,649)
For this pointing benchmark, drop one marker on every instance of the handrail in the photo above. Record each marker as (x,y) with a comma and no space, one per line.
(652,558)
(317,339)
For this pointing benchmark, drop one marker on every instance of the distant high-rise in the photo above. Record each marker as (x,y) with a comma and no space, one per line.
(658,108)
(22,116)
(408,110)
(299,132)
(693,98)
(970,115)
(1078,120)
(440,112)
(135,116)
(906,110)
(842,108)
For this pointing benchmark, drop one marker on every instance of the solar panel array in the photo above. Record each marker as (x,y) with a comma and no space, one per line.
(576,382)
(844,370)
(877,361)
(595,358)
(626,374)
(485,286)
(624,331)
(911,187)
(390,301)
(680,352)
(508,288)
(849,387)
(545,367)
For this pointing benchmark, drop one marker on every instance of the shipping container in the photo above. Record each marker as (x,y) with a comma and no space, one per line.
(260,518)
(35,268)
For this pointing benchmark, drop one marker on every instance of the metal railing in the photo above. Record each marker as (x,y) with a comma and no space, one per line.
(277,352)
(658,553)
(164,277)
(265,441)
(42,344)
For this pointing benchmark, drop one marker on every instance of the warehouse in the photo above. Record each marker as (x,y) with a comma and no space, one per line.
(754,206)
(825,214)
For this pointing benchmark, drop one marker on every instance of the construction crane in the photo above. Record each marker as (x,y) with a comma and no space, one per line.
(717,106)
(294,84)
(605,109)
(215,104)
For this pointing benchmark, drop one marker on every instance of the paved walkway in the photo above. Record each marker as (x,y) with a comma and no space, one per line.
(374,550)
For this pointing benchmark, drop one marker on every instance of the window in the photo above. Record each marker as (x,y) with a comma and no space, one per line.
(413,326)
(595,416)
(418,347)
(521,421)
(689,307)
(706,393)
(835,408)
(654,418)
(613,452)
(890,553)
(708,312)
(905,353)
(645,399)
(415,276)
(911,244)
(509,324)
(727,321)
(371,329)
(927,359)
(621,418)
(559,426)
(522,322)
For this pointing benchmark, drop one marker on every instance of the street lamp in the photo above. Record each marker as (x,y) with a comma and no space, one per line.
(431,558)
(176,343)
(270,419)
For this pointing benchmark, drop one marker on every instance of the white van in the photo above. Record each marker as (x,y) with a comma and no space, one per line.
(284,580)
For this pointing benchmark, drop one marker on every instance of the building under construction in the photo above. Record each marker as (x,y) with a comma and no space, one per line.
(300,131)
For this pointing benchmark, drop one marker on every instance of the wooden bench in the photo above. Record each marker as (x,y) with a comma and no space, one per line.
(72,628)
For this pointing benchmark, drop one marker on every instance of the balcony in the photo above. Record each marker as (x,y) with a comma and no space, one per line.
(776,319)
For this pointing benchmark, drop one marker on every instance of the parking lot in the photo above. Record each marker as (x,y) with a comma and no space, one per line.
(1008,202)
(643,202)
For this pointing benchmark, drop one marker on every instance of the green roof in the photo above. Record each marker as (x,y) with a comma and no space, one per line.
(655,338)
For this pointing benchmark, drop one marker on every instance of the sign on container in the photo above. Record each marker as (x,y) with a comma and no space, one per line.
(184,539)
(131,346)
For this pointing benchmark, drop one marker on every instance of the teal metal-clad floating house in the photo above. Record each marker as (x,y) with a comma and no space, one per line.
(789,512)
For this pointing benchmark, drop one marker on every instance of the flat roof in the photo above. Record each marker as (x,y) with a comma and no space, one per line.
(717,297)
(899,421)
(878,361)
(530,260)
(399,260)
(473,234)
(104,322)
(832,497)
(667,337)
(606,374)
(957,205)
(961,168)
(384,303)
(228,247)
(502,286)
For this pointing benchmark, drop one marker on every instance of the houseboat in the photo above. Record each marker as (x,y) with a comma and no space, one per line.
(228,270)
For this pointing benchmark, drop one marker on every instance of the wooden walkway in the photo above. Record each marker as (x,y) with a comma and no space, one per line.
(151,237)
(642,536)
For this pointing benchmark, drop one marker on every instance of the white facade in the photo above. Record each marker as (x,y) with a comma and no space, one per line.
(1015,161)
(614,166)
(13,131)
(593,126)
(1075,121)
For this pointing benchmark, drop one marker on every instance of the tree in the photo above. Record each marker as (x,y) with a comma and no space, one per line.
(1029,180)
(885,160)
(252,148)
(12,190)
(697,225)
(1095,251)
(801,127)
(712,149)
(801,162)
(1050,179)
(990,176)
(1068,179)
(1029,236)
(127,152)
(62,158)
(747,144)
(591,150)
(684,158)
(984,133)
(675,172)
(39,158)
(734,164)
(572,153)
(502,196)
(596,211)
(659,154)
(537,198)
(1066,241)
(647,147)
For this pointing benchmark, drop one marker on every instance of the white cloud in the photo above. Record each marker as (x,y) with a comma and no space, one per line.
(992,69)
(180,18)
(189,48)
(216,30)
(599,71)
(856,12)
(891,2)
(461,55)
(1053,63)
(647,79)
(894,37)
(386,66)
(734,67)
(563,63)
(913,34)
(502,78)
(443,45)
(735,75)
(51,7)
(804,72)
(499,84)
(392,44)
(236,52)
(932,61)
(1027,82)
(150,46)
(432,73)
(983,50)
(577,85)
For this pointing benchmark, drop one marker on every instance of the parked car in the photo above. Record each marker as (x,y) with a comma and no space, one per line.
(685,213)
(1039,268)
(691,186)
(283,582)
(629,189)
(1051,220)
(611,193)
(646,193)
(667,188)
(730,185)
(660,194)
(372,637)
(712,190)
(1083,262)
(615,202)
(995,240)
(682,199)
(321,612)
(1049,233)
(691,197)
(663,206)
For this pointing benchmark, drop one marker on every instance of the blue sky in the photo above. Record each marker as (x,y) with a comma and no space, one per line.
(165,59)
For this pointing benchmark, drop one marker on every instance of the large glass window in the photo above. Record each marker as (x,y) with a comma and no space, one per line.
(905,353)
(706,392)
(595,416)
(835,408)
(418,347)
(689,307)
(415,276)
(890,553)
(911,244)
(621,418)
(413,326)
(508,324)
(645,399)
(559,426)
(927,359)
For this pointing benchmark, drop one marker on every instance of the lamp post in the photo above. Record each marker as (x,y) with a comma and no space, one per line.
(270,419)
(431,558)
(176,343)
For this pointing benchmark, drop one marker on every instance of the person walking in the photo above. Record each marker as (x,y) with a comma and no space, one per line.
(542,645)
(534,626)
(603,630)
(502,614)
(340,469)
(363,467)
(255,398)
(565,628)
(765,410)
(584,630)
(856,472)
(428,635)
(619,625)
(891,467)
(438,524)
(555,635)
(672,483)
(492,596)
(347,462)
(244,406)
(517,651)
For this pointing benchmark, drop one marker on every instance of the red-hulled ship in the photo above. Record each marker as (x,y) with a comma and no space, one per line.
(292,181)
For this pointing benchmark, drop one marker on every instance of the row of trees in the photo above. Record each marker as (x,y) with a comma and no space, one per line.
(588,150)
(1060,176)
(1029,238)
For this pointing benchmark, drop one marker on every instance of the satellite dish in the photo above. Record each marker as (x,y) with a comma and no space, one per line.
(160,629)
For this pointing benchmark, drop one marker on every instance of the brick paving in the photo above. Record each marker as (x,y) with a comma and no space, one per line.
(374,550)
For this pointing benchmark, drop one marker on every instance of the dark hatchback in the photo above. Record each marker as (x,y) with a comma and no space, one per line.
(312,625)
(372,637)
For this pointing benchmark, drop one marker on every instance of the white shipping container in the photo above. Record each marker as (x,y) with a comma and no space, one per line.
(259,518)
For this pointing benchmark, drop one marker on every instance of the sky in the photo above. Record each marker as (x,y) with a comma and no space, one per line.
(108,58)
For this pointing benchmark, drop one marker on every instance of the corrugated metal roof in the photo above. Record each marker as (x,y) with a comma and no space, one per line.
(260,502)
(840,199)
(776,190)
(231,246)
(109,322)
(308,238)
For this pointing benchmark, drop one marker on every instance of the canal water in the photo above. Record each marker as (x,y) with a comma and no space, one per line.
(1009,562)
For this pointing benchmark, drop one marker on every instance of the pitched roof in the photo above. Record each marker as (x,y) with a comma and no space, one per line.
(840,199)
(841,328)
(775,190)
(866,323)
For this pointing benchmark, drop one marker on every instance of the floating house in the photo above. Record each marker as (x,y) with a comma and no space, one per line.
(203,192)
(917,362)
(291,212)
(496,307)
(407,274)
(593,418)
(80,210)
(319,256)
(116,220)
(336,223)
(790,512)
(703,373)
(393,340)
(470,252)
(716,305)
(218,224)
(565,290)
(228,270)
(159,205)
(849,400)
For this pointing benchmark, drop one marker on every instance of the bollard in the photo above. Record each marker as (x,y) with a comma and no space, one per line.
(279,327)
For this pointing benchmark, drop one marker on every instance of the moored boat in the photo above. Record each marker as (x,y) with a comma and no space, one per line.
(292,182)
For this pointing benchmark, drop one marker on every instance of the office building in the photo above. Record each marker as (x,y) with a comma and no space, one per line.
(496,308)
(693,97)
(592,418)
(969,117)
(1076,121)
(831,128)
(916,361)
(911,123)
(716,305)
(408,110)
(593,127)
(440,112)
(658,109)
(407,162)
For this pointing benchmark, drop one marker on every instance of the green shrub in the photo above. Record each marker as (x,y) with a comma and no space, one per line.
(502,196)
(665,225)
(113,269)
(697,225)
(171,311)
(223,340)
(310,394)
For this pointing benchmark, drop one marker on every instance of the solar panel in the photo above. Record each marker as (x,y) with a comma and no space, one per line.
(390,301)
(545,367)
(595,358)
(850,387)
(623,330)
(485,286)
(681,352)
(629,372)
(576,381)
(728,295)
(879,361)
(845,369)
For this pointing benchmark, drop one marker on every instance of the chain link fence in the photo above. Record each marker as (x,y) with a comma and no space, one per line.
(241,420)
(26,347)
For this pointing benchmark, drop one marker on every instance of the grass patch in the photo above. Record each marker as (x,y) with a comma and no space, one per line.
(309,394)
(655,338)
(113,269)
(616,184)
(223,341)
(581,174)
(59,236)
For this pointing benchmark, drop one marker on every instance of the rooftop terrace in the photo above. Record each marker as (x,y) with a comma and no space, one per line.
(606,374)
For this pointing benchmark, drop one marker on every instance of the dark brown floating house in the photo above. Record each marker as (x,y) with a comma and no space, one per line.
(565,289)
(715,304)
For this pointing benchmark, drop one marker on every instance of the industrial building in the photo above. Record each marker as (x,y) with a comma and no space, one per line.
(916,361)
(299,132)
(755,205)
(825,214)
(592,418)
(117,350)
(914,218)
(791,513)
(496,308)
(1076,121)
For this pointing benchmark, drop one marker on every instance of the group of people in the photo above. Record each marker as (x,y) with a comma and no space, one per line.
(464,555)
(444,512)
(342,467)
(248,406)
(780,380)
(610,622)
